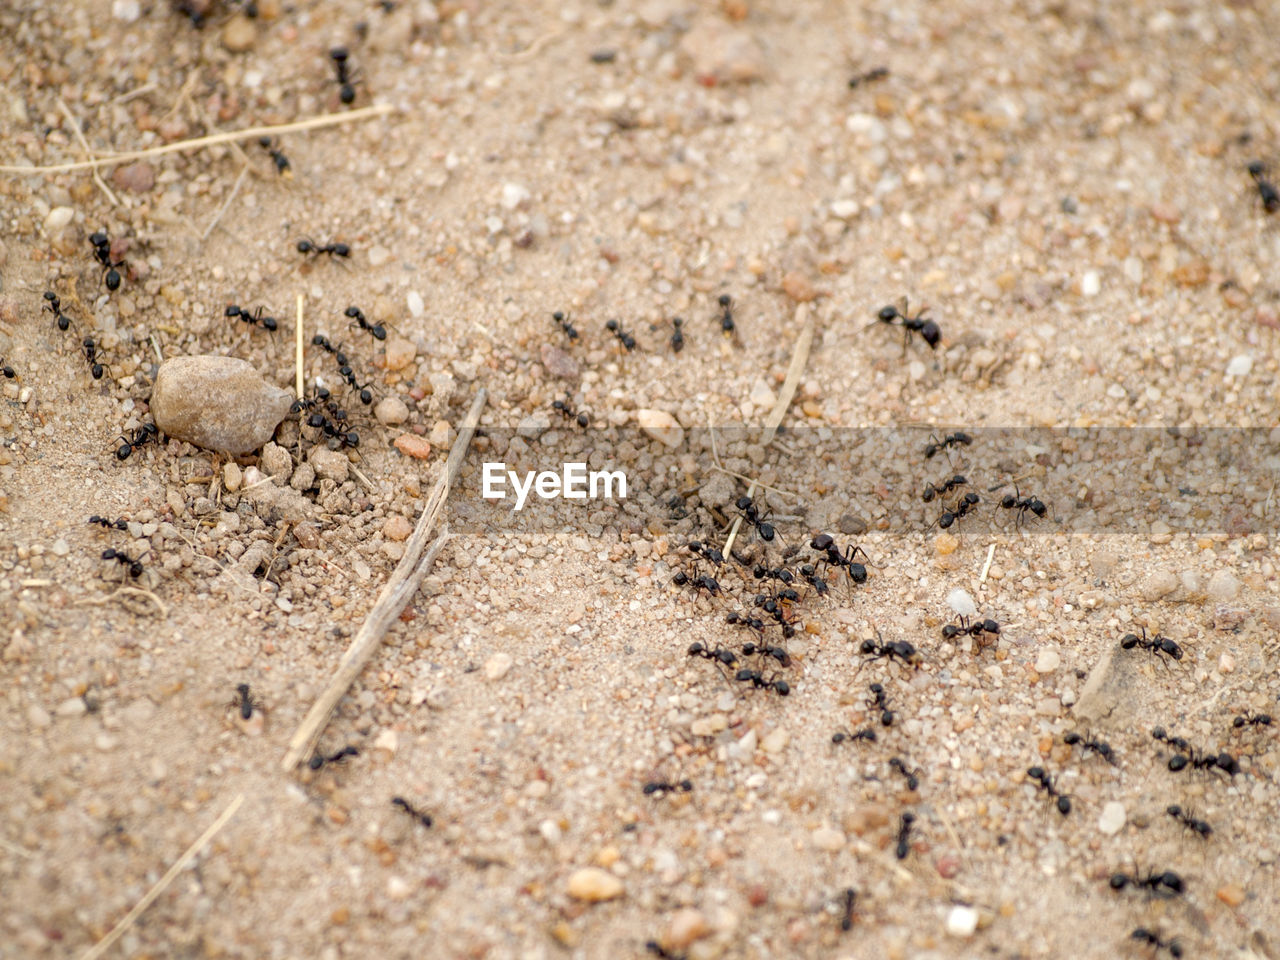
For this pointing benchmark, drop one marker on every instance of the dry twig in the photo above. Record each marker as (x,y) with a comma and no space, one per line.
(93,162)
(101,947)
(399,590)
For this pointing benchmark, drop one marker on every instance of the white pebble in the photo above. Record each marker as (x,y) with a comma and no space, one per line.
(844,209)
(1048,661)
(962,921)
(496,667)
(397,888)
(378,255)
(1090,283)
(776,741)
(1112,819)
(962,603)
(1223,586)
(550,831)
(414,301)
(57,218)
(829,839)
(61,548)
(387,740)
(1116,392)
(513,194)
(1240,366)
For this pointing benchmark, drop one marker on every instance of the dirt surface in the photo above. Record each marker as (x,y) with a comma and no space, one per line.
(1064,185)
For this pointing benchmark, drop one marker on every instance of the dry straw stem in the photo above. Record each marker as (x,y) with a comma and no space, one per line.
(297,346)
(101,947)
(75,125)
(399,590)
(198,143)
(799,357)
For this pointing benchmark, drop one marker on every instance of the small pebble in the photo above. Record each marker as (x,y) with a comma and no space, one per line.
(661,426)
(412,445)
(496,667)
(308,535)
(219,403)
(135,177)
(719,53)
(1240,366)
(378,255)
(775,741)
(559,363)
(945,544)
(399,353)
(1112,819)
(57,218)
(798,287)
(1157,585)
(962,921)
(276,461)
(1090,284)
(397,528)
(1232,894)
(1223,586)
(513,194)
(239,34)
(593,885)
(232,476)
(686,926)
(829,839)
(329,464)
(961,601)
(61,548)
(1049,707)
(1048,661)
(415,304)
(392,411)
(1226,663)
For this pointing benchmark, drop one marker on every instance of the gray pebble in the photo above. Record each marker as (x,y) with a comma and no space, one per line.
(559,363)
(304,478)
(276,461)
(534,426)
(717,491)
(1223,586)
(219,403)
(391,411)
(329,464)
(1157,585)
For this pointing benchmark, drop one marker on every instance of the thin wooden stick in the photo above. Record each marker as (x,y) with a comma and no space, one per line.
(101,947)
(297,343)
(235,188)
(325,120)
(991,552)
(399,590)
(93,162)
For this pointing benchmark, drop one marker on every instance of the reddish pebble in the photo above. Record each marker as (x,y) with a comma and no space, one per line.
(948,866)
(418,394)
(757,896)
(397,528)
(412,445)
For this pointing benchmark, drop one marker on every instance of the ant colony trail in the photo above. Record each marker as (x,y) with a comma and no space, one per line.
(601,480)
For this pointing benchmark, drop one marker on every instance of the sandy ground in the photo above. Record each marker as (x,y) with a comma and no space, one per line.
(1064,186)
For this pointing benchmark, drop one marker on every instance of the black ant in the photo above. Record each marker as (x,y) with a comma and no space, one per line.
(912,776)
(677,336)
(377,331)
(930,491)
(308,246)
(1251,720)
(624,338)
(410,809)
(1270,196)
(751,513)
(1024,505)
(569,329)
(965,628)
(345,75)
(882,704)
(1189,756)
(1190,821)
(54,306)
(347,374)
(7,371)
(277,155)
(318,397)
(850,897)
(904,835)
(1046,783)
(950,440)
(810,574)
(566,410)
(895,649)
(318,761)
(1089,742)
(102,253)
(757,680)
(1163,884)
(742,619)
(868,734)
(106,524)
(244,702)
(255,318)
(962,508)
(319,340)
(718,654)
(929,331)
(662,787)
(132,565)
(700,582)
(857,571)
(768,650)
(339,439)
(726,314)
(96,367)
(870,76)
(706,551)
(147,433)
(1153,940)
(1157,645)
